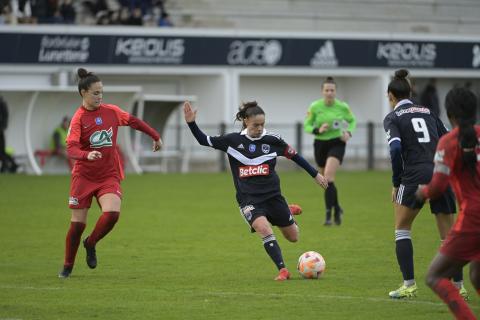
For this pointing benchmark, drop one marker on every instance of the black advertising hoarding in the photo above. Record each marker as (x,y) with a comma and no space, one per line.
(33,48)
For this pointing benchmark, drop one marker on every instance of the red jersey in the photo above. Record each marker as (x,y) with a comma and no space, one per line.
(97,130)
(448,169)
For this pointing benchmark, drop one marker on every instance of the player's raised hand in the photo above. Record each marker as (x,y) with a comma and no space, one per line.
(94,155)
(157,145)
(321,180)
(189,112)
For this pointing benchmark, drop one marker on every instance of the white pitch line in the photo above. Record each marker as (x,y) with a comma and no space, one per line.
(276,295)
(321,296)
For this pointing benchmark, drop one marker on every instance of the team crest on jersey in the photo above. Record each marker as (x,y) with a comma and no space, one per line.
(98,121)
(252,148)
(102,138)
(265,148)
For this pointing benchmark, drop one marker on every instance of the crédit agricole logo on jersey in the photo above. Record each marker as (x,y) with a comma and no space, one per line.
(101,138)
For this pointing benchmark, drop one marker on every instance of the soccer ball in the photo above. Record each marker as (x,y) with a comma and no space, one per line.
(311,265)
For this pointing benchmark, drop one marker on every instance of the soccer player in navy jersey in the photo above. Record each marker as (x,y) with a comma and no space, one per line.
(252,155)
(413,132)
(457,162)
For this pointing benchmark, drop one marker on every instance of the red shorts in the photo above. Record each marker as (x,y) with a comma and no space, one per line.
(83,190)
(462,246)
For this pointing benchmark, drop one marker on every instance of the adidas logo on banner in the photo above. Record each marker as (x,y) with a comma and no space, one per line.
(240,146)
(325,56)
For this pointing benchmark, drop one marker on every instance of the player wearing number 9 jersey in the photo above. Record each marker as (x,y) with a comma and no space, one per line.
(413,133)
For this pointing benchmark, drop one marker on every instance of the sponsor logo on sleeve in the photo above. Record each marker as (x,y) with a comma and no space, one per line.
(252,171)
(290,152)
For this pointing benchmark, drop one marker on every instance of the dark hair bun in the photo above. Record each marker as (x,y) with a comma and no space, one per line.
(82,73)
(401,74)
(329,79)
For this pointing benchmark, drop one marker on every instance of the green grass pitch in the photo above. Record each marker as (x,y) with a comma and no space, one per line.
(182,251)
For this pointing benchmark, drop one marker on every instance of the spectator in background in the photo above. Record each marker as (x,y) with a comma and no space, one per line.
(429,97)
(58,143)
(136,18)
(164,20)
(67,11)
(8,164)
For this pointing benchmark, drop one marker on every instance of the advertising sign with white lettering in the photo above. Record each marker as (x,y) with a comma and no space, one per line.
(77,49)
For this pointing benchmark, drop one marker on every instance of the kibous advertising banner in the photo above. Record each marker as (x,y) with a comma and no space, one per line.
(24,48)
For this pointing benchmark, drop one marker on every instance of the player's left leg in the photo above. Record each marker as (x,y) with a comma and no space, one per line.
(438,277)
(264,230)
(110,204)
(331,193)
(444,223)
(404,217)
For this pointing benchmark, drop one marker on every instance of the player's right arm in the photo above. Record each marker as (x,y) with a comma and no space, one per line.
(395,144)
(74,148)
(214,142)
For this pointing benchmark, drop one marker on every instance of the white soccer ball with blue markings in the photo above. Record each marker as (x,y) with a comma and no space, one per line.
(311,265)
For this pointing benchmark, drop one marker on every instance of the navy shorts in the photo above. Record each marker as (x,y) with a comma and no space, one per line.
(328,148)
(275,209)
(443,204)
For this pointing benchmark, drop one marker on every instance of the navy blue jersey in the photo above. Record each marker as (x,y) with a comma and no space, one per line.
(252,162)
(418,131)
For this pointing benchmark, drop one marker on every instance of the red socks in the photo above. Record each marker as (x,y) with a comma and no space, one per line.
(72,242)
(447,291)
(104,225)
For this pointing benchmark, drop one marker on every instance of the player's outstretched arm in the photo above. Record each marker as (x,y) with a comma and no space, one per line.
(190,114)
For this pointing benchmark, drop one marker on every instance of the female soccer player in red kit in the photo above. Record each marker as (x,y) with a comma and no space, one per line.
(91,141)
(457,163)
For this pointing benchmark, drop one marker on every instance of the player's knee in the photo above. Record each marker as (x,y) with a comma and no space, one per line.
(262,229)
(292,238)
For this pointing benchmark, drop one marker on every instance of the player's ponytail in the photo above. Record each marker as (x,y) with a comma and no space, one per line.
(85,79)
(461,105)
(400,86)
(246,110)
